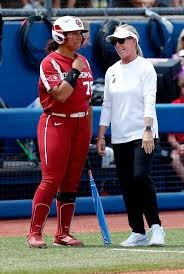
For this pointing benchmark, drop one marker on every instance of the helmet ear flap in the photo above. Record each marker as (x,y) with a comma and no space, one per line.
(58,37)
(61,39)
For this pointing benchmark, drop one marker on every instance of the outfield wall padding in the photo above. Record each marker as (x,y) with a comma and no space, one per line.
(84,205)
(22,122)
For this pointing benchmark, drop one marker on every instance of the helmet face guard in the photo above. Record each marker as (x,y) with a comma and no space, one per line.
(66,24)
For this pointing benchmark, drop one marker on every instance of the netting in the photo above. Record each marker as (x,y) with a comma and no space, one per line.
(20,176)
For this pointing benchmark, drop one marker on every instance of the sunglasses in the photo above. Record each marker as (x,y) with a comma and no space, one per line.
(120,40)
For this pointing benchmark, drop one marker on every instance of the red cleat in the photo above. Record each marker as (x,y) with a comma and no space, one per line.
(35,240)
(67,240)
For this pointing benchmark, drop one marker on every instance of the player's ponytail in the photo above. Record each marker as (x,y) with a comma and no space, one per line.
(51,46)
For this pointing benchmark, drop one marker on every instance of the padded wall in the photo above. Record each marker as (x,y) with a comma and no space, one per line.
(22,122)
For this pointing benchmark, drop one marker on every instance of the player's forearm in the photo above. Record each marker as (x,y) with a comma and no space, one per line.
(62,92)
(65,89)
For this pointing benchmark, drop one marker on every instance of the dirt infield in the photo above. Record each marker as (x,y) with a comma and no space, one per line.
(87,223)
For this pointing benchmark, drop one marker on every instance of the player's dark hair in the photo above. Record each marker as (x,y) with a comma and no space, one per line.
(52,46)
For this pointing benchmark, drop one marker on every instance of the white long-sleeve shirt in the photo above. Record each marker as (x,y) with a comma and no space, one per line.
(129,96)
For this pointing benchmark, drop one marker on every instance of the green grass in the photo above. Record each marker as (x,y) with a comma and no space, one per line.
(16,257)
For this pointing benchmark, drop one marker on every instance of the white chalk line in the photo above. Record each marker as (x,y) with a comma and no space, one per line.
(148,250)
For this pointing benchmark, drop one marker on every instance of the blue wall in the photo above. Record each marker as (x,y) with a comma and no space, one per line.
(22,122)
(18,88)
(84,205)
(18,81)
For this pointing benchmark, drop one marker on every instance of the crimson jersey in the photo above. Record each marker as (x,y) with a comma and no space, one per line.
(53,70)
(179,136)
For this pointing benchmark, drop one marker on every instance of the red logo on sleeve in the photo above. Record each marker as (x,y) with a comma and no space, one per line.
(54,77)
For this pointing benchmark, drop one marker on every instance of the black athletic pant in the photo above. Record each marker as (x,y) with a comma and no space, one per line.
(133,167)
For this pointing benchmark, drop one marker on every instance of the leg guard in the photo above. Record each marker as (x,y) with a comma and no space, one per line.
(65,209)
(65,203)
(39,216)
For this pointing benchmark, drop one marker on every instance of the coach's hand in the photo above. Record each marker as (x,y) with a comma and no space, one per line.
(148,142)
(100,145)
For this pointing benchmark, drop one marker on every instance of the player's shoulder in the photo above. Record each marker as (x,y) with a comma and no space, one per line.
(47,58)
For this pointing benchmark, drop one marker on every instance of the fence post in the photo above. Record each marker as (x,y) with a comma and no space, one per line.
(48,7)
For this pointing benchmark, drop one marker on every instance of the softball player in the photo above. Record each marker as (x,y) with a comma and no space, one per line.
(64,129)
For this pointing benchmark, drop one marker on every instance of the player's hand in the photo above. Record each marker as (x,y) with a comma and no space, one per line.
(78,63)
(100,146)
(148,142)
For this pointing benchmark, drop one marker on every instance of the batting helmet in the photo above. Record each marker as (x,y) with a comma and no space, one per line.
(66,24)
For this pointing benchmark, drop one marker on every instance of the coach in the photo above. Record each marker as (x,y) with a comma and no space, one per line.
(129,105)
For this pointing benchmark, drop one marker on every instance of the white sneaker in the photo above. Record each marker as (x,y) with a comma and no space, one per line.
(158,235)
(136,239)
